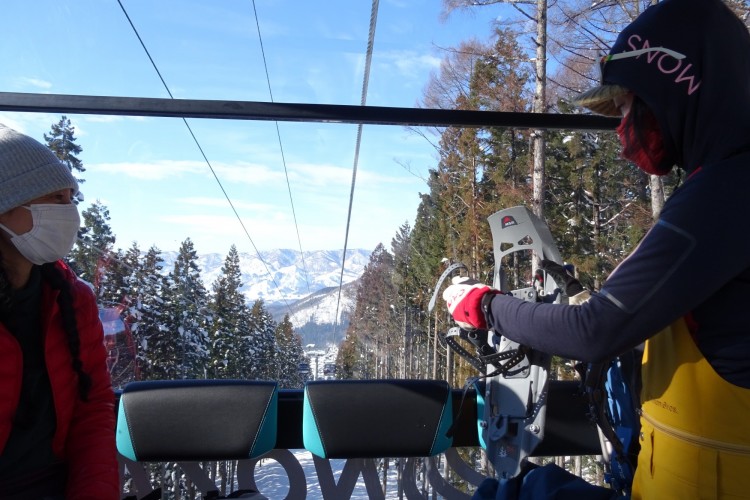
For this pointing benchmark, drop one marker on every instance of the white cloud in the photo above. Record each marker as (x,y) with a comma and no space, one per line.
(238,172)
(17,125)
(318,174)
(31,124)
(151,171)
(37,124)
(34,82)
(248,173)
(408,63)
(302,174)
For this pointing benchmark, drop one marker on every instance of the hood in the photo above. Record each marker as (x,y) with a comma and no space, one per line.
(702,101)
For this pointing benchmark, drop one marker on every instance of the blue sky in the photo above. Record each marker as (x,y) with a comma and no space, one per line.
(149,172)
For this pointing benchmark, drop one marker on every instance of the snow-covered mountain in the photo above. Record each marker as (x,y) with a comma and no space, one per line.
(315,316)
(321,307)
(283,275)
(305,286)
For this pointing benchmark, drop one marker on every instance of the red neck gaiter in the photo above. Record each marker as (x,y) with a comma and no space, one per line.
(646,149)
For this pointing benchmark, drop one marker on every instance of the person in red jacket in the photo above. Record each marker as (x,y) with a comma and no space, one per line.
(57,419)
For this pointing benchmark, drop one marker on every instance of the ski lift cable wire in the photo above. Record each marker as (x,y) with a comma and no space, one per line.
(203,154)
(365,83)
(281,149)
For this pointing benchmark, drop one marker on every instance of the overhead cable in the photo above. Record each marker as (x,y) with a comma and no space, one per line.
(205,158)
(365,83)
(281,148)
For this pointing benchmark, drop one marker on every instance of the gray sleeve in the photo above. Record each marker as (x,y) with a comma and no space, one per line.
(673,270)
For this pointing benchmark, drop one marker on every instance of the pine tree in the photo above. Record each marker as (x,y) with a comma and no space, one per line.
(479,171)
(404,306)
(598,204)
(349,364)
(428,244)
(262,342)
(111,283)
(428,254)
(62,141)
(289,354)
(186,317)
(371,333)
(120,297)
(95,244)
(230,329)
(152,336)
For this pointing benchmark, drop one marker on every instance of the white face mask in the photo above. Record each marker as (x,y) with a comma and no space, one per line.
(53,232)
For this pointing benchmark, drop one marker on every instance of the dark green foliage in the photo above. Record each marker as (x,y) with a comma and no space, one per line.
(94,249)
(186,316)
(263,329)
(598,205)
(229,326)
(62,141)
(176,328)
(147,315)
(288,356)
(372,345)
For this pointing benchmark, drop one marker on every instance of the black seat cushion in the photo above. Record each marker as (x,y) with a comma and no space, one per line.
(189,420)
(377,418)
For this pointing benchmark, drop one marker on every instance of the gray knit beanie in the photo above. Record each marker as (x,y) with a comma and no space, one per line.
(28,170)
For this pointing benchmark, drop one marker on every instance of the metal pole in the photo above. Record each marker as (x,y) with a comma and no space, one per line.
(279,111)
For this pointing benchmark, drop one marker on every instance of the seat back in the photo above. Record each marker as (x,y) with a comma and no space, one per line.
(192,420)
(377,418)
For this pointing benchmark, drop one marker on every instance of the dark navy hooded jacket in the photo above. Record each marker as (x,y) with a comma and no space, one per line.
(695,261)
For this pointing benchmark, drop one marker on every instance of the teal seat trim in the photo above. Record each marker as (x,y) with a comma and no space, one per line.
(310,432)
(266,437)
(123,438)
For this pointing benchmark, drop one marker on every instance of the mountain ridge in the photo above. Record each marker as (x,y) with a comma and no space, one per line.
(303,285)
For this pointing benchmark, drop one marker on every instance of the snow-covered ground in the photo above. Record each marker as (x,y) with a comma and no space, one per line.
(272,481)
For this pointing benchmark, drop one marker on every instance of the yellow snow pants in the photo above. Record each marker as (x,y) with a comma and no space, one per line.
(695,426)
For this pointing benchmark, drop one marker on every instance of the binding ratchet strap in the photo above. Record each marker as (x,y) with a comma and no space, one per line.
(448,271)
(450,340)
(486,353)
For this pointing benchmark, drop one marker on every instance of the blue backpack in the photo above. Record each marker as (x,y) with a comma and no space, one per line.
(612,388)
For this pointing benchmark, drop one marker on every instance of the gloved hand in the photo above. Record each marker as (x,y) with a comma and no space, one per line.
(464,301)
(577,295)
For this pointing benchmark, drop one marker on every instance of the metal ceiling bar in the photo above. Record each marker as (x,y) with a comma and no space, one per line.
(294,112)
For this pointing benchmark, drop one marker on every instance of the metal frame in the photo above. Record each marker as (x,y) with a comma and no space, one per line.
(294,112)
(569,431)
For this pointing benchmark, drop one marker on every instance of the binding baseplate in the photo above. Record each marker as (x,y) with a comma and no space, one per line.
(515,402)
(515,389)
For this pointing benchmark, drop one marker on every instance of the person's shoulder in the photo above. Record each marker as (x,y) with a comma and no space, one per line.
(78,284)
(734,167)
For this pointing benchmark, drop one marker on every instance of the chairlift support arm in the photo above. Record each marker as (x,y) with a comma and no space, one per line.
(294,112)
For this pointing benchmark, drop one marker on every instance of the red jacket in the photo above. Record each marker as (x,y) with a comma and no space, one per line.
(85,433)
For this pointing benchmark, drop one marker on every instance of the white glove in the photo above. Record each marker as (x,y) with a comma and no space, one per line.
(464,301)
